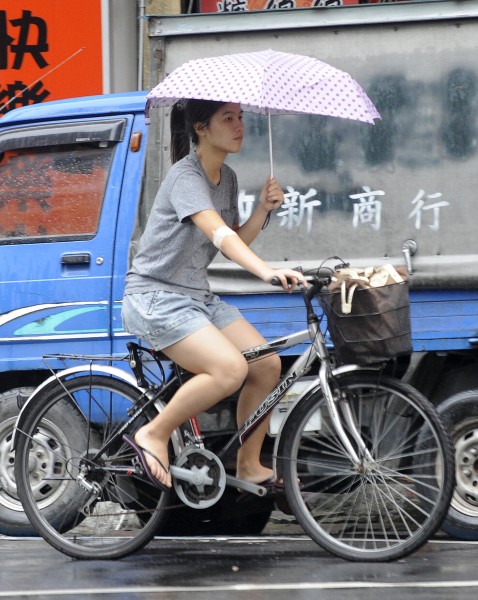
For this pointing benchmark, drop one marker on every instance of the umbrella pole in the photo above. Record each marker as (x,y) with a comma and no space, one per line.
(271,162)
(270,143)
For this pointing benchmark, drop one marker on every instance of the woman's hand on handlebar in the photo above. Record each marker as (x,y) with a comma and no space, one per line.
(288,279)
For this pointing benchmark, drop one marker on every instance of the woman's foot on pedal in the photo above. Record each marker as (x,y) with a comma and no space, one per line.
(155,453)
(262,476)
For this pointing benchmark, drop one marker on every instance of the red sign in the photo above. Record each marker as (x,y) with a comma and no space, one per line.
(243,5)
(49,49)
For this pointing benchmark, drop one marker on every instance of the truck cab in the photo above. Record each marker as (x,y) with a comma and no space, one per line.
(71,174)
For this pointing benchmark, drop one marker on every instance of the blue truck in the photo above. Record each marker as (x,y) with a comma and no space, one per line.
(77,179)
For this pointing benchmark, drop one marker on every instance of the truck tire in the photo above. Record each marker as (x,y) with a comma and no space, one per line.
(13,520)
(460,416)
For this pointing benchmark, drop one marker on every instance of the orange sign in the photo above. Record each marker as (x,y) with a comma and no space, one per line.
(49,49)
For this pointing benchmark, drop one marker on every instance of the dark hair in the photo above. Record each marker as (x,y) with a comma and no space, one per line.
(184,115)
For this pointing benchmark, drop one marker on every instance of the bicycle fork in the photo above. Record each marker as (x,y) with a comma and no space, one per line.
(363,458)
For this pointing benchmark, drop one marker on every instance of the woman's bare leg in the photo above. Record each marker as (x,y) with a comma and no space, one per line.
(220,370)
(262,377)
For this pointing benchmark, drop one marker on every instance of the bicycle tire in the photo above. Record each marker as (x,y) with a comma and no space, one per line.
(399,501)
(122,512)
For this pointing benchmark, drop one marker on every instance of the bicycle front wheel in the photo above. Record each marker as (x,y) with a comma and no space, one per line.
(85,505)
(390,504)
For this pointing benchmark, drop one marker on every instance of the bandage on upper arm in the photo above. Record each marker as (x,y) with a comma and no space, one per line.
(220,233)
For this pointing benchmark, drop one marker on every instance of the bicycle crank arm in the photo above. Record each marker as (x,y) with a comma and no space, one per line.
(252,488)
(197,477)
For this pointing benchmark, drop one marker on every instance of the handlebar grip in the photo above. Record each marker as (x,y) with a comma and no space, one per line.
(276,281)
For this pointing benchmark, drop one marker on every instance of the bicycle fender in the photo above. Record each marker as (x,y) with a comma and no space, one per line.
(62,376)
(313,387)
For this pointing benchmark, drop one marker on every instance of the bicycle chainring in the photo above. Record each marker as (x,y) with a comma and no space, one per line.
(209,475)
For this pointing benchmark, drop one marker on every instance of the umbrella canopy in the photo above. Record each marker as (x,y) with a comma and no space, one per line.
(268,82)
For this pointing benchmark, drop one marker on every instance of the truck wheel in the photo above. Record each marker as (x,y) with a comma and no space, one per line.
(13,520)
(460,417)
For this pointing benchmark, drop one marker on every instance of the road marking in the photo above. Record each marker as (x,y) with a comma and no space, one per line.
(236,539)
(333,585)
(454,542)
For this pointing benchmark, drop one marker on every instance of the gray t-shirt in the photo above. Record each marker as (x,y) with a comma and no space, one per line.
(173,254)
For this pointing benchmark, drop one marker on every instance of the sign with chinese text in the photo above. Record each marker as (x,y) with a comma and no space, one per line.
(243,5)
(49,49)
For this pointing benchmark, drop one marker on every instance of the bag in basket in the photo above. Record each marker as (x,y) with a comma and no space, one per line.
(368,314)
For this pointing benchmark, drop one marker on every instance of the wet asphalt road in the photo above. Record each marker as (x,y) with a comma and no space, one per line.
(275,565)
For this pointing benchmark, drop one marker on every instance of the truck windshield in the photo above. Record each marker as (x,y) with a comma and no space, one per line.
(52,188)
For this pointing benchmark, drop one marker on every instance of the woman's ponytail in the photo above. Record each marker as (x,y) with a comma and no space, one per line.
(179,134)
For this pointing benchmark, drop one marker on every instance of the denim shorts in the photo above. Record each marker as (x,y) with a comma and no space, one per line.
(163,318)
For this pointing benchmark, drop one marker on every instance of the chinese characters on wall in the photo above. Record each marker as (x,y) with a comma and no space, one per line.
(297,209)
(245,5)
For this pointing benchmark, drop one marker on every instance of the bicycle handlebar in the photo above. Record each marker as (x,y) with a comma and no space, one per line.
(315,284)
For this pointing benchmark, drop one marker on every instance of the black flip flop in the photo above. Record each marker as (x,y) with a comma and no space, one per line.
(272,486)
(140,452)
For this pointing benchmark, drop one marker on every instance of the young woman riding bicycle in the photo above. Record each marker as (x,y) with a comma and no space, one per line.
(168,301)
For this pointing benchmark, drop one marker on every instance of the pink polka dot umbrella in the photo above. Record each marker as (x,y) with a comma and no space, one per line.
(268,82)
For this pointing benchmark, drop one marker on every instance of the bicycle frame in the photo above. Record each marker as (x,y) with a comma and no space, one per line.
(300,368)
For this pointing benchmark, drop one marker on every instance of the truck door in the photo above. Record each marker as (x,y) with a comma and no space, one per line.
(59,195)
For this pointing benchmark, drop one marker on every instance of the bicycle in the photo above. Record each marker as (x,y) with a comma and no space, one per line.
(367,466)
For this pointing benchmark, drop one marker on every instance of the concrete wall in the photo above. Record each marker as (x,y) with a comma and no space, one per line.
(154,7)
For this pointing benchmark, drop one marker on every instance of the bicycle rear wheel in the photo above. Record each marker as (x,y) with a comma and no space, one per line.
(102,509)
(387,508)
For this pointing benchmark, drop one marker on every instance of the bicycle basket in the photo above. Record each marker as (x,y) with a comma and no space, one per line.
(376,329)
